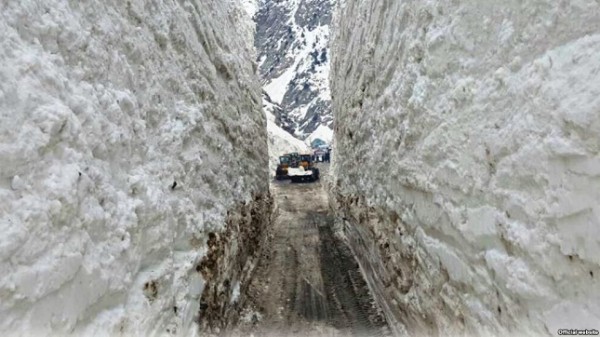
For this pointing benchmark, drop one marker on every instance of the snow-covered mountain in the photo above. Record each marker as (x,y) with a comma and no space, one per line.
(467,166)
(133,159)
(292,41)
(279,125)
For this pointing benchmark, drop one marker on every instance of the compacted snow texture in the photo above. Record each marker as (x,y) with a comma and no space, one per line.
(467,162)
(128,129)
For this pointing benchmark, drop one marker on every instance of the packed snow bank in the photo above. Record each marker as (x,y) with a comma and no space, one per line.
(467,163)
(280,141)
(124,146)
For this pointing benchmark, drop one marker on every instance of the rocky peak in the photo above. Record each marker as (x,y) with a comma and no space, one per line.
(292,42)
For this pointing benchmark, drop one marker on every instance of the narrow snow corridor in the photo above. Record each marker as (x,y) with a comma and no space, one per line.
(138,148)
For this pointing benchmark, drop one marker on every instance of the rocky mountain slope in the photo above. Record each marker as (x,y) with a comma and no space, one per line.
(467,163)
(133,154)
(280,126)
(292,41)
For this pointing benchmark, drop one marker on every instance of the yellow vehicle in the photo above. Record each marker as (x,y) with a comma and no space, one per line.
(306,161)
(304,170)
(282,169)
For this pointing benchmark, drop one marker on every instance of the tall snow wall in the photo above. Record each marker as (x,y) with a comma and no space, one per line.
(467,166)
(133,156)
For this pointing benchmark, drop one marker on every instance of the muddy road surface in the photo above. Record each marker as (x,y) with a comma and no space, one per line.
(307,283)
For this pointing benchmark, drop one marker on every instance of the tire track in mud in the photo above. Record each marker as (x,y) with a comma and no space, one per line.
(290,280)
(352,308)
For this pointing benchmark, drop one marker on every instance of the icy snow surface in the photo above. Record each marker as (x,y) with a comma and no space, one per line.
(467,137)
(127,131)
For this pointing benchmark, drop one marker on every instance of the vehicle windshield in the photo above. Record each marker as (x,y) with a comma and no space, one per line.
(305,157)
(284,160)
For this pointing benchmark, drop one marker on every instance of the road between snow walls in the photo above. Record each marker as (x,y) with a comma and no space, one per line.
(134,190)
(133,162)
(467,167)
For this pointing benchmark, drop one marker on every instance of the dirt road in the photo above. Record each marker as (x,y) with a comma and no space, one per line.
(308,283)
